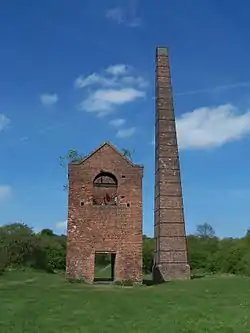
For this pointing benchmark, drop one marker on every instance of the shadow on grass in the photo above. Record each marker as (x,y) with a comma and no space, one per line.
(197,276)
(103,280)
(146,282)
(150,282)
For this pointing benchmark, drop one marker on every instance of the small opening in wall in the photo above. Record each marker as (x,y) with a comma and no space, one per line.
(128,204)
(82,203)
(122,197)
(123,176)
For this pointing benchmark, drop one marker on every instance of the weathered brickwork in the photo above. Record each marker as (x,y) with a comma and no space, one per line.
(105,218)
(171,260)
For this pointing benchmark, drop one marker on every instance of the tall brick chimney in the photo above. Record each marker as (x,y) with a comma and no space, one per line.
(171,261)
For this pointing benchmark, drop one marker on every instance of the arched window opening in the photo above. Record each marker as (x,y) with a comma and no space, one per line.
(105,189)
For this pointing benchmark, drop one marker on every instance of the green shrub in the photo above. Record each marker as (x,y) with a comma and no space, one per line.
(3,260)
(124,283)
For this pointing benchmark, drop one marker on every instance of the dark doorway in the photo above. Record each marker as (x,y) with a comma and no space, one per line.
(104,267)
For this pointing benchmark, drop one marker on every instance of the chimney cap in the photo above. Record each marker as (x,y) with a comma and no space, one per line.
(161,50)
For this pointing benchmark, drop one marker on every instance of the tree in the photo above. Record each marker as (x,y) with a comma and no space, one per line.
(47,232)
(205,231)
(3,259)
(72,156)
(21,247)
(54,252)
(148,254)
(127,153)
(19,242)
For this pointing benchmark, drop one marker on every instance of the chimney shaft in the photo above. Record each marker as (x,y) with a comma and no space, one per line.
(171,260)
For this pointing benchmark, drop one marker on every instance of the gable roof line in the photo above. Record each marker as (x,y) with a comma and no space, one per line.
(111,146)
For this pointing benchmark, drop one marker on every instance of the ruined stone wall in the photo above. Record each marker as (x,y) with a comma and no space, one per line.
(105,228)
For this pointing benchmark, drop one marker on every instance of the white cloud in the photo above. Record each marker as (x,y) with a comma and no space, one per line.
(215,88)
(94,79)
(49,99)
(116,85)
(211,127)
(4,122)
(135,23)
(61,225)
(103,101)
(114,76)
(122,16)
(137,81)
(115,14)
(119,69)
(117,122)
(108,82)
(125,133)
(119,96)
(5,192)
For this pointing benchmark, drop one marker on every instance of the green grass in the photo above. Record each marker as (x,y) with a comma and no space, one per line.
(103,272)
(36,302)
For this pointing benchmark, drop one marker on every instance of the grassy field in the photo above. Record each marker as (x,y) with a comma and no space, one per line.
(36,302)
(103,272)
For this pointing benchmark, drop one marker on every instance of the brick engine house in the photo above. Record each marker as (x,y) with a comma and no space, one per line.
(105,215)
(105,203)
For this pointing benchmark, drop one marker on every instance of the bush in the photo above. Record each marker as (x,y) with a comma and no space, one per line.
(124,283)
(148,254)
(3,260)
(20,247)
(54,253)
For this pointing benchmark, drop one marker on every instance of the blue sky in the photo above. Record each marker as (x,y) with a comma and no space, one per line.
(76,73)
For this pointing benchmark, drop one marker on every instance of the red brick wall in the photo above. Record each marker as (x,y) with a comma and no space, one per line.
(95,228)
(171,260)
